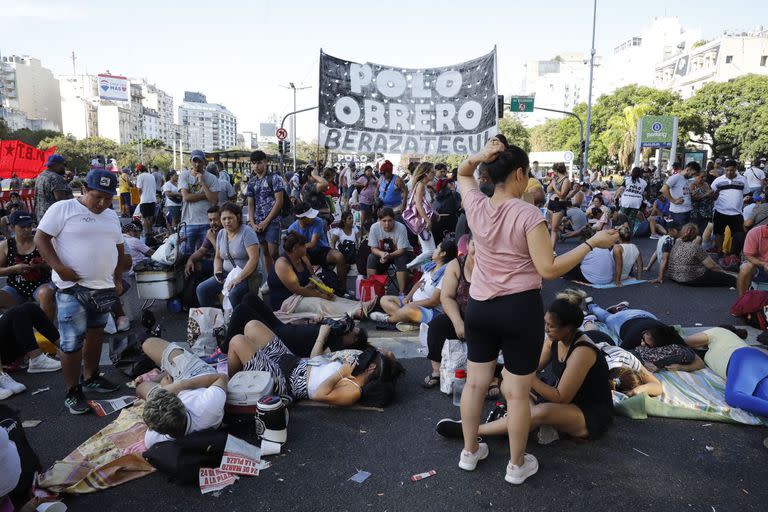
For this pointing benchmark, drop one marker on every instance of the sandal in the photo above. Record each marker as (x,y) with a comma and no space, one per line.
(430,381)
(493,392)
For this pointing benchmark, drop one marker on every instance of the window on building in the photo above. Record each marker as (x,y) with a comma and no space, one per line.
(728,59)
(763,60)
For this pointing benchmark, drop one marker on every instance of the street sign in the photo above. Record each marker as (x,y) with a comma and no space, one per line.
(568,156)
(281,133)
(521,104)
(657,132)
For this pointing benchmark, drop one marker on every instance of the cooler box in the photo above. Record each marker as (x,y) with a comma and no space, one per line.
(245,389)
(159,284)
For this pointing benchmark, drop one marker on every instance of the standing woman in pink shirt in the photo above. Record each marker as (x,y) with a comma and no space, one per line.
(513,251)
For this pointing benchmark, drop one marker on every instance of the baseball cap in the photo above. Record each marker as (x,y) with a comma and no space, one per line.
(305,211)
(55,159)
(21,218)
(101,180)
(140,168)
(197,153)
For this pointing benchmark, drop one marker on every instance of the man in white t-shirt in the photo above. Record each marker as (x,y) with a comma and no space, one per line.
(729,192)
(82,241)
(199,191)
(755,177)
(188,398)
(679,194)
(172,199)
(147,203)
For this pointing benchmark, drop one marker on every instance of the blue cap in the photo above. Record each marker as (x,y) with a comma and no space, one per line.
(21,218)
(197,153)
(55,159)
(101,180)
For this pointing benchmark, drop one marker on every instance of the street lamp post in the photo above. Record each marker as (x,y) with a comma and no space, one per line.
(293,120)
(589,95)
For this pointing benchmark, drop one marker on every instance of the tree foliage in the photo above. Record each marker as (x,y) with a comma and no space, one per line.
(79,153)
(514,131)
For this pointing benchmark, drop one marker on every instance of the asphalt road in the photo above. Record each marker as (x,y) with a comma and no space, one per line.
(675,470)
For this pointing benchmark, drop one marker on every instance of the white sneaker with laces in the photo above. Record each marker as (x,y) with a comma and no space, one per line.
(123,324)
(468,460)
(5,393)
(378,316)
(518,474)
(6,382)
(42,364)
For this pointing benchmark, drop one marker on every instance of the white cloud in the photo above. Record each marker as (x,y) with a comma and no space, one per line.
(45,11)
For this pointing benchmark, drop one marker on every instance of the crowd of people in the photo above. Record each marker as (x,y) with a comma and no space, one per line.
(462,253)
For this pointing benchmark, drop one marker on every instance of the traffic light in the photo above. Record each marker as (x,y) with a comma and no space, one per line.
(583,146)
(287,147)
(280,148)
(500,101)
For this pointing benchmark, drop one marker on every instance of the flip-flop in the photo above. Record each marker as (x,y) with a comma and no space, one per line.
(430,381)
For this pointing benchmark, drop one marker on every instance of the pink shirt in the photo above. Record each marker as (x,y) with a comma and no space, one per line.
(756,243)
(503,264)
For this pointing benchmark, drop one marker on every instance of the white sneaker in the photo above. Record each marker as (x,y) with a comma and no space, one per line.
(517,474)
(418,260)
(42,364)
(5,393)
(378,316)
(468,460)
(123,324)
(264,288)
(110,328)
(6,382)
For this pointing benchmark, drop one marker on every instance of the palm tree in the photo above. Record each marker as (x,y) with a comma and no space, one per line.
(621,135)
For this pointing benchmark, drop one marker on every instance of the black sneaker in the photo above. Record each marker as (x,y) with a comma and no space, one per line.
(449,428)
(75,401)
(99,384)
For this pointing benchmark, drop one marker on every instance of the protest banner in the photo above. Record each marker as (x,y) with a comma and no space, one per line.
(21,159)
(372,108)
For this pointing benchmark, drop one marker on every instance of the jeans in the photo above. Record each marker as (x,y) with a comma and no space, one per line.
(615,320)
(208,291)
(194,235)
(74,320)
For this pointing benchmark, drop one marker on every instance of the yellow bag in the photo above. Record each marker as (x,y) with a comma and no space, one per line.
(727,240)
(45,344)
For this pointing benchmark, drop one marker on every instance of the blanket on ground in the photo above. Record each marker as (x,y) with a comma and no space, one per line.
(109,458)
(626,282)
(698,395)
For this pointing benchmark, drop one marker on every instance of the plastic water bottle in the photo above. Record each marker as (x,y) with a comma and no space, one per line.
(459,379)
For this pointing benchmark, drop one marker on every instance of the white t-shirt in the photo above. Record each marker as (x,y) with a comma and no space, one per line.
(226,190)
(730,198)
(205,409)
(678,187)
(148,186)
(343,237)
(84,241)
(136,249)
(173,189)
(754,177)
(10,462)
(426,287)
(628,259)
(597,266)
(633,193)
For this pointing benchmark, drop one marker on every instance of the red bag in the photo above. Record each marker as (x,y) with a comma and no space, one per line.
(750,307)
(374,286)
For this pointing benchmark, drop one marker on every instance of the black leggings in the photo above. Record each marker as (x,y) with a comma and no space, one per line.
(440,329)
(712,278)
(17,335)
(298,338)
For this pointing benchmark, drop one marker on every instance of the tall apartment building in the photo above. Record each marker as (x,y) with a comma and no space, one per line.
(28,90)
(159,104)
(79,105)
(207,126)
(559,83)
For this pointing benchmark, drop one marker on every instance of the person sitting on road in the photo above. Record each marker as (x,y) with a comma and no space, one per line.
(388,240)
(657,222)
(580,405)
(598,214)
(575,224)
(17,339)
(299,338)
(626,257)
(319,251)
(291,289)
(663,248)
(423,302)
(690,265)
(28,276)
(189,396)
(597,267)
(200,262)
(368,377)
(744,368)
(134,247)
(346,237)
(237,246)
(755,266)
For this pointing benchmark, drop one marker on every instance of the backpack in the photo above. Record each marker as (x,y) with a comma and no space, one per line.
(348,249)
(361,258)
(750,308)
(181,459)
(287,209)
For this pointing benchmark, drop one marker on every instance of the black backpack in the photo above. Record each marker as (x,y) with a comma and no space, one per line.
(181,459)
(30,463)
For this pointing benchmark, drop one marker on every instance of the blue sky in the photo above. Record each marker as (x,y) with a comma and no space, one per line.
(239,53)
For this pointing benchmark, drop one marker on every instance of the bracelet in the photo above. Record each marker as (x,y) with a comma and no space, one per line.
(590,247)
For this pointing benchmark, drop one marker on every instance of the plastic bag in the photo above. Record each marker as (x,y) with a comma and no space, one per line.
(454,356)
(205,330)
(167,252)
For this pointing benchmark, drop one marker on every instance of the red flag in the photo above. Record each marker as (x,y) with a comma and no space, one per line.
(21,159)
